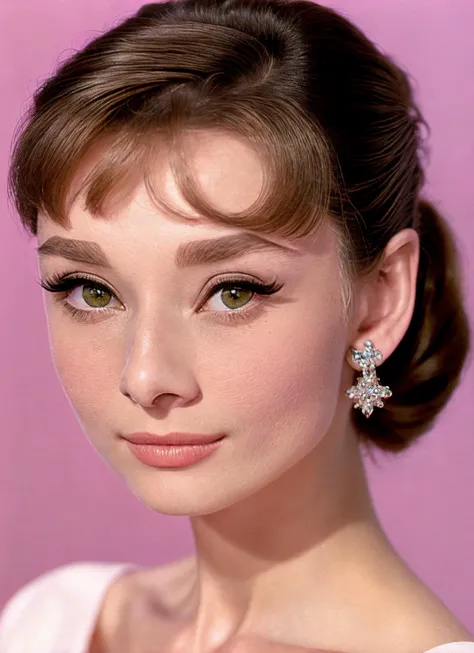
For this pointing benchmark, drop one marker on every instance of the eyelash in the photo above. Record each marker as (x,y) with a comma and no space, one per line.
(64,287)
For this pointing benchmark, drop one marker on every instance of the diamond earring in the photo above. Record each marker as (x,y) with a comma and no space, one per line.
(368,393)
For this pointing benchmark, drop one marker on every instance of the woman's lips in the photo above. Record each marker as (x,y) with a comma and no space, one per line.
(169,455)
(172,449)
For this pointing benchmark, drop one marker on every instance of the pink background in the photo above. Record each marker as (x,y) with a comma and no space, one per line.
(59,502)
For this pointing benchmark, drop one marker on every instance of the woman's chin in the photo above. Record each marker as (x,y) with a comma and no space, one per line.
(184,504)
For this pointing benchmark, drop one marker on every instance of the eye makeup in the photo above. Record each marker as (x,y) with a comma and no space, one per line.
(63,287)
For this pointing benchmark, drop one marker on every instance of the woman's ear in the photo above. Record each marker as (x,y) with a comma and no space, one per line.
(386,298)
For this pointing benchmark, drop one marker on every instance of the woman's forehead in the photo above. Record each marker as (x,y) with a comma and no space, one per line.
(228,173)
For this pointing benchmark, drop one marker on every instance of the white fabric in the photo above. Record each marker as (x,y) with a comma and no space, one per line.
(453,647)
(57,612)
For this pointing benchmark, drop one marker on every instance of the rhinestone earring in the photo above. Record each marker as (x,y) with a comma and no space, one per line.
(368,393)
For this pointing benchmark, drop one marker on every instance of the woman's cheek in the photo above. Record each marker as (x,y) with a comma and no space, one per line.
(84,372)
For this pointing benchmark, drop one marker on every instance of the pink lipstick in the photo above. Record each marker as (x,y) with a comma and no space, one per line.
(172,449)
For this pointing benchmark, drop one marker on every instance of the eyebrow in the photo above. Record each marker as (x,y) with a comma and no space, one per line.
(197,252)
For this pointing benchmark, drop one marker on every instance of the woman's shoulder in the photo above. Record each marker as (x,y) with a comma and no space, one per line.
(148,594)
(56,610)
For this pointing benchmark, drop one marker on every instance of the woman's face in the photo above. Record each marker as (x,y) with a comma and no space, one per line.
(267,372)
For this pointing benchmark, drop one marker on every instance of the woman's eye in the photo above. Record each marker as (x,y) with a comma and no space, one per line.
(85,298)
(231,295)
(81,296)
(94,295)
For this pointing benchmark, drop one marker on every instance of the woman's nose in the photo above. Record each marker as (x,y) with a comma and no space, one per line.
(158,363)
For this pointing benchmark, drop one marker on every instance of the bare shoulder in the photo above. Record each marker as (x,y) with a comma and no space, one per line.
(153,577)
(162,587)
(404,617)
(421,621)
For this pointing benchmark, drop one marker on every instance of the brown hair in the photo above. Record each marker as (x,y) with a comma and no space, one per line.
(333,119)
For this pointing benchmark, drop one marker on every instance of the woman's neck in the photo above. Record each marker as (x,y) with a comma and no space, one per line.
(304,540)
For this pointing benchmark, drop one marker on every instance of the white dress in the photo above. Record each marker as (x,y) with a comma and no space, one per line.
(57,612)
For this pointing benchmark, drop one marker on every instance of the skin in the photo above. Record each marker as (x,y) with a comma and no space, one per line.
(290,555)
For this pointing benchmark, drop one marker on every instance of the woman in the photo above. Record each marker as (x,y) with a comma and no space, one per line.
(226,196)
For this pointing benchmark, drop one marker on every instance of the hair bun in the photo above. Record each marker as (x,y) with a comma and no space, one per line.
(426,367)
